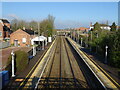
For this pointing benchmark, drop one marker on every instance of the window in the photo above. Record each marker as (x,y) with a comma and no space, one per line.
(0,33)
(23,40)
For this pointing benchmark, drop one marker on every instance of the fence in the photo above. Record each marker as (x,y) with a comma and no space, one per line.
(4,44)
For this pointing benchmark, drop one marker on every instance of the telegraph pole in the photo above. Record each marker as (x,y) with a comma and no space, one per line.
(91,41)
(38,32)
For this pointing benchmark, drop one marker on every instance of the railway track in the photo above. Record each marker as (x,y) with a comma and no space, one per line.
(64,68)
(75,70)
(92,81)
(105,79)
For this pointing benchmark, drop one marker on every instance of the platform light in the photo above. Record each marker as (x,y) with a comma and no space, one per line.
(13,64)
(106,47)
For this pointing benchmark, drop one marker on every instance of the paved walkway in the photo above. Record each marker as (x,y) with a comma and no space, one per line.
(110,70)
(20,76)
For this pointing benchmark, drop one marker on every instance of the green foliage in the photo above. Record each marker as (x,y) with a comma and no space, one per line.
(97,26)
(21,60)
(34,25)
(18,24)
(112,40)
(114,43)
(113,27)
(45,27)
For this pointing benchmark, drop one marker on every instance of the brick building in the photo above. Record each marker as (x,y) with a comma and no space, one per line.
(21,37)
(4,29)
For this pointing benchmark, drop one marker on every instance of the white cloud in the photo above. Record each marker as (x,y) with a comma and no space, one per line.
(13,16)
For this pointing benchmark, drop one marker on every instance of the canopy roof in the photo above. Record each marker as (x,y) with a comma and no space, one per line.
(39,38)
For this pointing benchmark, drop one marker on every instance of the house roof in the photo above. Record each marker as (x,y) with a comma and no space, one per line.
(82,28)
(27,31)
(19,31)
(4,20)
(103,25)
(31,32)
(5,28)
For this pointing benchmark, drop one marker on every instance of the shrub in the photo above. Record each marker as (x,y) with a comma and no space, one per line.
(21,61)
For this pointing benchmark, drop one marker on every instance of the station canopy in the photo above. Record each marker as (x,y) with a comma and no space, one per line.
(39,38)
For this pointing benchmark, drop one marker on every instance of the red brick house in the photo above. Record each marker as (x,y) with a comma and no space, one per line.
(82,29)
(4,29)
(22,37)
(1,31)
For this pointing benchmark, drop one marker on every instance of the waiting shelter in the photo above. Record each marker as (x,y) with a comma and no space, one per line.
(39,40)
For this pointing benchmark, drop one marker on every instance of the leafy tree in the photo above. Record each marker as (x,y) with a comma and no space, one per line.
(113,27)
(47,25)
(97,26)
(34,25)
(14,24)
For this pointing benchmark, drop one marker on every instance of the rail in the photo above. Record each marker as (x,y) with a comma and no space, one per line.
(96,65)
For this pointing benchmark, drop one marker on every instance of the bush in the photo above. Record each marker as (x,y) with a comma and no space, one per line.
(21,61)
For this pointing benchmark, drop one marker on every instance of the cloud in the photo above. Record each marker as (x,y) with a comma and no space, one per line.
(13,16)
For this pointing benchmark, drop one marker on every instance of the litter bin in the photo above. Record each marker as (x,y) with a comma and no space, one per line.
(4,75)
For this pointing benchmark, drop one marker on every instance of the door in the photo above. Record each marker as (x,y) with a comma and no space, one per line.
(15,43)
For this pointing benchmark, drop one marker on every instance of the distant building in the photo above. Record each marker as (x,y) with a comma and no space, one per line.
(22,37)
(82,30)
(4,29)
(102,26)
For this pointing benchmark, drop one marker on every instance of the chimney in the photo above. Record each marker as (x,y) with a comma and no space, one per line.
(90,24)
(23,28)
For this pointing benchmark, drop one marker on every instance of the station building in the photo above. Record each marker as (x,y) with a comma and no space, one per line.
(22,37)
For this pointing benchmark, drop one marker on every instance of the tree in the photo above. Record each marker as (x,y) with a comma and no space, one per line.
(14,24)
(97,26)
(34,25)
(50,25)
(113,27)
(47,25)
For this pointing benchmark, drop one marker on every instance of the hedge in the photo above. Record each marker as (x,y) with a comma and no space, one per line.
(21,61)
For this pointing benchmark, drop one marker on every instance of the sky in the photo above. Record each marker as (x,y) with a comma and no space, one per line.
(67,14)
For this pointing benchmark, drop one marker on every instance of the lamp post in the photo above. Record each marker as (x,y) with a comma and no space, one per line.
(74,34)
(71,33)
(81,41)
(78,36)
(13,66)
(91,41)
(106,47)
(96,45)
(34,50)
(43,45)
